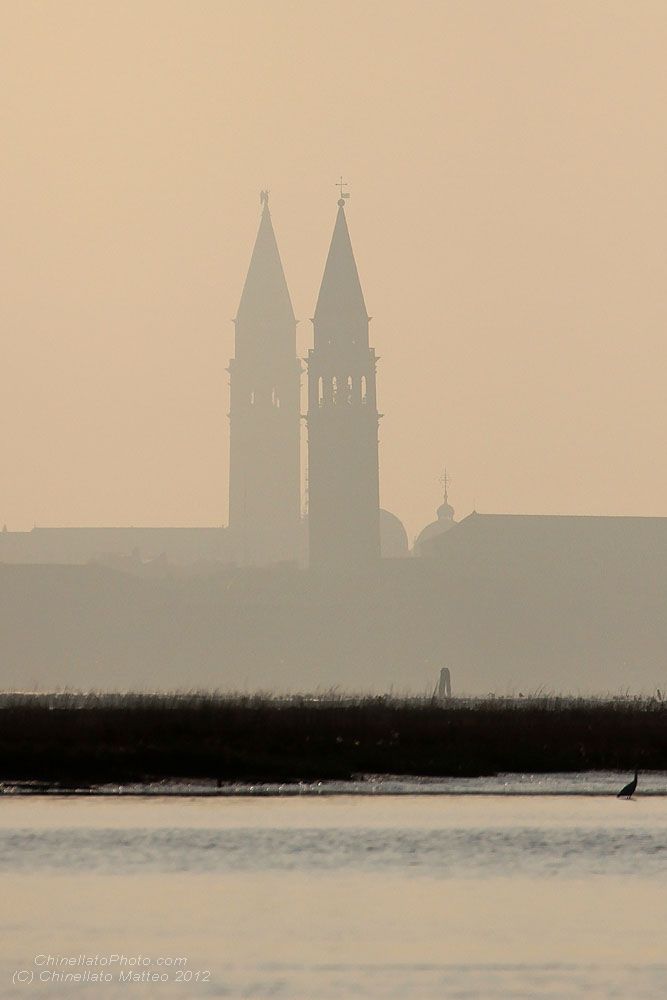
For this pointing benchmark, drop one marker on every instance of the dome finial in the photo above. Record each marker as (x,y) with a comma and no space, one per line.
(344,195)
(445,520)
(445,511)
(446,482)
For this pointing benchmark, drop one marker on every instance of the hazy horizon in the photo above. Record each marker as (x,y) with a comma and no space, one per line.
(506,167)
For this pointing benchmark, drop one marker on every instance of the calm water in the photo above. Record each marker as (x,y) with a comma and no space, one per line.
(334,897)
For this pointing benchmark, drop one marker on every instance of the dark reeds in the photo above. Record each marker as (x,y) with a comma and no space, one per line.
(70,739)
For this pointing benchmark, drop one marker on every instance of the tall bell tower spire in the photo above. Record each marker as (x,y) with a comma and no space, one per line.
(343,475)
(265,376)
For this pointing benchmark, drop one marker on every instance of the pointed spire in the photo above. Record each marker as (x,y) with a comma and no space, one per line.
(341,300)
(265,300)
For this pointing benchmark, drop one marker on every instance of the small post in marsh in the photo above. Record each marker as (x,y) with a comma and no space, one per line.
(444,689)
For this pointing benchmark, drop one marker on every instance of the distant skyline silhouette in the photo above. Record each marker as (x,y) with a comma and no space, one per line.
(506,171)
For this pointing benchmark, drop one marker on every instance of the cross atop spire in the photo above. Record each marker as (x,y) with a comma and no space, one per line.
(445,481)
(445,510)
(344,195)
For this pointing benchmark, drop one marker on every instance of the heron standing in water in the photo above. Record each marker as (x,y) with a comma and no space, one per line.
(629,790)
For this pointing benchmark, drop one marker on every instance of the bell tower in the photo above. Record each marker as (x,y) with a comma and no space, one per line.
(343,475)
(265,379)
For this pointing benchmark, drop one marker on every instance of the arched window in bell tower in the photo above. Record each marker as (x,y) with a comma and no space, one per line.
(320,391)
(363,389)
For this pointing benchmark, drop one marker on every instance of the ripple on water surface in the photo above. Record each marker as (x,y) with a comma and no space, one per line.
(334,897)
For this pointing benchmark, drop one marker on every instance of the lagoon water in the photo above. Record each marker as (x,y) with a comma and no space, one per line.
(552,892)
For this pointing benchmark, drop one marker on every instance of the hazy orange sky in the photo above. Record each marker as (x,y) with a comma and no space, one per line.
(507,163)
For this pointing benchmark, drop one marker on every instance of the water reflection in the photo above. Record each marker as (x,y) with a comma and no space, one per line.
(341,897)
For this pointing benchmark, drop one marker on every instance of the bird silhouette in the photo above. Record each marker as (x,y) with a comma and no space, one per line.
(629,790)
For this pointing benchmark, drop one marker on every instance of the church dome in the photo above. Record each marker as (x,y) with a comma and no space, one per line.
(393,536)
(444,522)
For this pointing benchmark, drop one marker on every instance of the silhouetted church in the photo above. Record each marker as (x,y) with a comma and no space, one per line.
(344,522)
(343,476)
(564,601)
(345,527)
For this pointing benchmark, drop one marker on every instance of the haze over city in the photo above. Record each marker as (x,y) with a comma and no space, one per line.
(332,645)
(507,191)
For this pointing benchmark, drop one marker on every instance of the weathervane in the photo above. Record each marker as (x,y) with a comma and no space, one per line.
(264,197)
(343,194)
